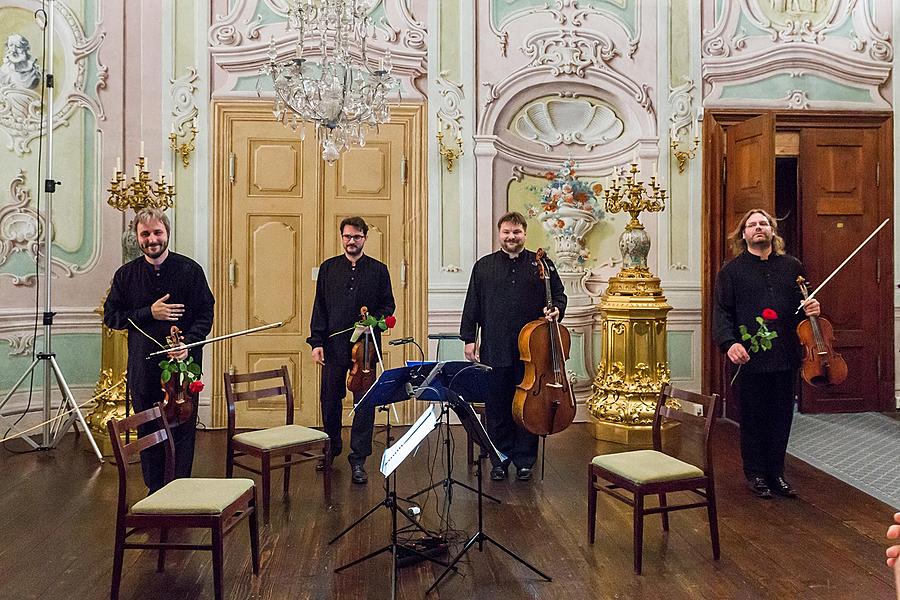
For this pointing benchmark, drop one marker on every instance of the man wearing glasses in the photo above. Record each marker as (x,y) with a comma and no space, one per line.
(346,283)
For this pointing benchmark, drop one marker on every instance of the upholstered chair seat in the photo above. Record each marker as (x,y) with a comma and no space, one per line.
(646,466)
(279,437)
(193,496)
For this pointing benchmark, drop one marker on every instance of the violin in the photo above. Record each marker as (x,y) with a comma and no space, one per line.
(821,365)
(544,402)
(177,399)
(362,372)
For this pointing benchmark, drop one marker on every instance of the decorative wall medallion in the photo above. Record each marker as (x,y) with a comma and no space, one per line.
(554,121)
(681,99)
(23,230)
(796,99)
(450,110)
(569,51)
(20,344)
(20,101)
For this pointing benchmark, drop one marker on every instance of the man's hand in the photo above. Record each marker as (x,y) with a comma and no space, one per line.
(471,353)
(178,353)
(551,315)
(738,354)
(166,312)
(318,355)
(812,308)
(893,533)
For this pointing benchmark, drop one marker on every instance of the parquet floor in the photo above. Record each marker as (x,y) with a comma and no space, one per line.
(57,511)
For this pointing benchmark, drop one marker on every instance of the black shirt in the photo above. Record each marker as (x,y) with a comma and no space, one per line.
(135,287)
(744,287)
(504,294)
(342,288)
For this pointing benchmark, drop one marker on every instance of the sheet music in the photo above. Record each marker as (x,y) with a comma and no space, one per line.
(396,454)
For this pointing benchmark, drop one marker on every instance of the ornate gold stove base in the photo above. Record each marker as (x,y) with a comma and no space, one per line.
(634,435)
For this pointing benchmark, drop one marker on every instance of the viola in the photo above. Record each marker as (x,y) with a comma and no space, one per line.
(177,399)
(362,371)
(821,365)
(544,402)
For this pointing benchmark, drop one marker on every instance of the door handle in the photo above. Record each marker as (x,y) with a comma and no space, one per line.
(232,272)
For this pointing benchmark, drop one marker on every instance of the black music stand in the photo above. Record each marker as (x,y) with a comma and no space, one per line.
(465,378)
(474,427)
(394,385)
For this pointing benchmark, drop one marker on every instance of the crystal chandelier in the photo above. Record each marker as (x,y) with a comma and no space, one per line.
(341,96)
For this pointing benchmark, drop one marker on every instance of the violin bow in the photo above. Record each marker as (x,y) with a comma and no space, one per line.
(217,338)
(841,266)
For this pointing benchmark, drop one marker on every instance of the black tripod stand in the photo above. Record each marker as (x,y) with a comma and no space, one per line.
(448,482)
(473,426)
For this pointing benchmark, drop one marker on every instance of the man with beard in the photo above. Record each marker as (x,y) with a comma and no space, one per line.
(506,292)
(154,292)
(761,277)
(345,284)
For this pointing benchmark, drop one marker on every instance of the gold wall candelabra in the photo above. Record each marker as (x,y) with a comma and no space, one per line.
(185,149)
(680,154)
(633,361)
(448,153)
(140,191)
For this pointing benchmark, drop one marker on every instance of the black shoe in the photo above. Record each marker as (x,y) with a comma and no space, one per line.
(759,487)
(523,473)
(359,474)
(780,486)
(498,473)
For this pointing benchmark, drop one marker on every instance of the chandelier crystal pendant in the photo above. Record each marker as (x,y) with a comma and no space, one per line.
(340,92)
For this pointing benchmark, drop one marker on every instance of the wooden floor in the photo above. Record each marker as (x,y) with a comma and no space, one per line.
(57,511)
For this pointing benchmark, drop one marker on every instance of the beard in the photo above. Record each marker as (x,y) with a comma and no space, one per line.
(353,249)
(154,251)
(513,247)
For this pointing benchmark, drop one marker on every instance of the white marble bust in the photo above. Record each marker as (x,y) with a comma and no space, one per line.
(19,69)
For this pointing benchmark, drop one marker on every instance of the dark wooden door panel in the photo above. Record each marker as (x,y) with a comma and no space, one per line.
(839,209)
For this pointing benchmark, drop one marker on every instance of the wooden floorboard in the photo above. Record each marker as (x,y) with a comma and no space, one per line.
(57,512)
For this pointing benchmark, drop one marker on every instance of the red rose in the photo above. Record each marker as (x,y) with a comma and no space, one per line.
(769,315)
(195,387)
(390,321)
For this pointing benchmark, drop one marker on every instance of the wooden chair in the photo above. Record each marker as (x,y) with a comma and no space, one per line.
(646,472)
(214,504)
(287,440)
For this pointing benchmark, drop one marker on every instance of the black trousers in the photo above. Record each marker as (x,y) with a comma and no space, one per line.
(509,437)
(767,410)
(153,460)
(334,388)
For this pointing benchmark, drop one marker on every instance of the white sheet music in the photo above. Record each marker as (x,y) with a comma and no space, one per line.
(396,454)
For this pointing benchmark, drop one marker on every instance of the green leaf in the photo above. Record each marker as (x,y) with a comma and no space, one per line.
(760,320)
(182,367)
(774,335)
(743,330)
(382,326)
(166,376)
(193,368)
(766,344)
(745,337)
(163,364)
(754,345)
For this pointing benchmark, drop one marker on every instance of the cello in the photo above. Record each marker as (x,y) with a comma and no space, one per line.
(821,365)
(362,372)
(544,402)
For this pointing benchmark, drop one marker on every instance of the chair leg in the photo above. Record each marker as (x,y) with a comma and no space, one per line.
(470,450)
(713,519)
(254,535)
(161,560)
(665,513)
(638,531)
(326,473)
(592,506)
(266,482)
(287,474)
(229,461)
(118,559)
(218,562)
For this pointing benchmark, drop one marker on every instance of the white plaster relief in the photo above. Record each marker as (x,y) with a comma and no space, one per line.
(796,99)
(23,230)
(20,344)
(450,110)
(451,269)
(796,22)
(20,107)
(681,102)
(551,122)
(223,31)
(184,108)
(568,51)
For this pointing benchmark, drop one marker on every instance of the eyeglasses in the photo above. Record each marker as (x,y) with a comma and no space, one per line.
(353,238)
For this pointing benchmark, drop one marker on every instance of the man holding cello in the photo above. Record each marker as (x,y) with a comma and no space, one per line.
(344,285)
(761,281)
(506,292)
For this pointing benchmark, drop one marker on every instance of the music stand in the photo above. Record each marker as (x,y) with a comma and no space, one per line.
(474,427)
(394,385)
(464,376)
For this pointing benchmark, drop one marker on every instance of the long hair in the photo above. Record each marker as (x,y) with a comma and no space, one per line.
(736,237)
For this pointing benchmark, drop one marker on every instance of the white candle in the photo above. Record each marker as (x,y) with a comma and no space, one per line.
(160,174)
(194,123)
(655,170)
(118,164)
(173,129)
(142,147)
(171,178)
(136,175)
(695,126)
(634,157)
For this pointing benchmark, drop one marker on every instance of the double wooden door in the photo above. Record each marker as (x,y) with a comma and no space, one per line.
(840,200)
(279,209)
